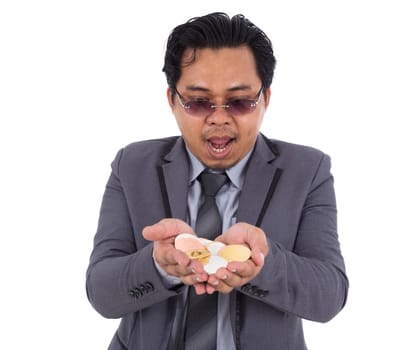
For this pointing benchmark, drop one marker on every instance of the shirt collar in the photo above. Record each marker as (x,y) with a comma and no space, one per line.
(236,173)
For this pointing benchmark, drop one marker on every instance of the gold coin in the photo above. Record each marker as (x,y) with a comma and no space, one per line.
(198,254)
(205,260)
(235,252)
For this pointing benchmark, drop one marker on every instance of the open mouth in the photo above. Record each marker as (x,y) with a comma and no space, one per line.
(219,145)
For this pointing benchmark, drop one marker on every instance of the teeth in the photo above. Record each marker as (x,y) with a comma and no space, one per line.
(219,149)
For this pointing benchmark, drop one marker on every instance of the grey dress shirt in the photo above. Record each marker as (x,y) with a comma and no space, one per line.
(227,202)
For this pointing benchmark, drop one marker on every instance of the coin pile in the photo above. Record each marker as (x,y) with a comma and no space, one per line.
(213,255)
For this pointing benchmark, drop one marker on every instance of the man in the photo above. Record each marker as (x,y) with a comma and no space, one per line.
(277,199)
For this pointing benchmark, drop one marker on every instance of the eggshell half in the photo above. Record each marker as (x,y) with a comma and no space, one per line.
(187,242)
(205,241)
(214,247)
(214,264)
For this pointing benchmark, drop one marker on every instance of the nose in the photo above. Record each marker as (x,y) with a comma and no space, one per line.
(219,115)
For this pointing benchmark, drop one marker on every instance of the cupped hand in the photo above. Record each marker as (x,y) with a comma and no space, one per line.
(237,273)
(173,261)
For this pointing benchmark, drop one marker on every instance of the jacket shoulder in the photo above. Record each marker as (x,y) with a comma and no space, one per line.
(287,151)
(143,154)
(150,147)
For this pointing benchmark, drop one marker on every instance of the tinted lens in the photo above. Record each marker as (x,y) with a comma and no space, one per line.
(241,106)
(203,108)
(199,108)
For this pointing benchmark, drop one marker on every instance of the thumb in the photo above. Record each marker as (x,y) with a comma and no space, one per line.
(166,228)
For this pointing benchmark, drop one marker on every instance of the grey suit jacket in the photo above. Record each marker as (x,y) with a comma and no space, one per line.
(288,192)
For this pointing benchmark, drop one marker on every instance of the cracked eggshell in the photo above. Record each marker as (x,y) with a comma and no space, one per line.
(187,242)
(215,263)
(214,247)
(205,241)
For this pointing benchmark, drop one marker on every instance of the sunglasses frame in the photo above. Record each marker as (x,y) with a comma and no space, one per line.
(227,106)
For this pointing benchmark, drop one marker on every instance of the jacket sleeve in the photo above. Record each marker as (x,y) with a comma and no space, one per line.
(121,278)
(308,280)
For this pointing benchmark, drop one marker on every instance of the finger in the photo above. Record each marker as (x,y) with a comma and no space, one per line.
(229,280)
(200,288)
(221,287)
(225,276)
(245,270)
(168,257)
(194,280)
(183,272)
(237,274)
(192,274)
(257,256)
(166,228)
(237,234)
(215,288)
(180,258)
(213,283)
(197,267)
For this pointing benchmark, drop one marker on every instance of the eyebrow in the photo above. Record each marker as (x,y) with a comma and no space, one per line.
(242,87)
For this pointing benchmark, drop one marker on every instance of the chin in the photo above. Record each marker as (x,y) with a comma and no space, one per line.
(220,164)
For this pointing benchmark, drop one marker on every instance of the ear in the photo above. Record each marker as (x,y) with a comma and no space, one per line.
(170,98)
(267,97)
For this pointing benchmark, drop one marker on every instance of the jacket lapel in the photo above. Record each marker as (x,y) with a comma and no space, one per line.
(260,181)
(176,180)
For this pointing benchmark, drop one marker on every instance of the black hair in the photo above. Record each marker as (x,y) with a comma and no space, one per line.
(218,30)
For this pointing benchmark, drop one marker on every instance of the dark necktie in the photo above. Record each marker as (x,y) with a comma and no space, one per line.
(209,222)
(200,330)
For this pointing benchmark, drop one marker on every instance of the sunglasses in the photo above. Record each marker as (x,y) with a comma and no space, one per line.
(204,108)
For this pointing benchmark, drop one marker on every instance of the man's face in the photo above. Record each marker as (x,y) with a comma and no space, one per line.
(219,139)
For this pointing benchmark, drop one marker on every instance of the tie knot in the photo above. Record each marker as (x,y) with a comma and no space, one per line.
(211,183)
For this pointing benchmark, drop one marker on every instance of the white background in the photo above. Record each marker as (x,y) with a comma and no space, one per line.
(80,79)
